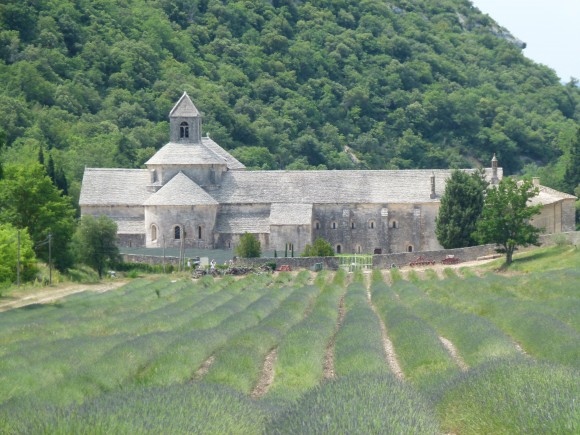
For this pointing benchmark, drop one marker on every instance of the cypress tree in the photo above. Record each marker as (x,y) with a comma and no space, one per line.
(61,181)
(41,156)
(50,169)
(461,206)
(572,173)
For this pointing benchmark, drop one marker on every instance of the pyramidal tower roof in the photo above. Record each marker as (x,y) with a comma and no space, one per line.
(180,191)
(184,108)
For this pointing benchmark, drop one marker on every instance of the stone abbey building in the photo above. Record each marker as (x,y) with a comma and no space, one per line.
(195,193)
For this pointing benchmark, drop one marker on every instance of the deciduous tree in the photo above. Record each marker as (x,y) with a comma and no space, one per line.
(28,199)
(95,242)
(9,255)
(506,215)
(572,173)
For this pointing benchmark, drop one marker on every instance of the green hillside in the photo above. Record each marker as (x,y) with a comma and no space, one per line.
(282,83)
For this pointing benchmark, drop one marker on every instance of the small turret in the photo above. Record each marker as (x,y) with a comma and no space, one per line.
(494,177)
(433,194)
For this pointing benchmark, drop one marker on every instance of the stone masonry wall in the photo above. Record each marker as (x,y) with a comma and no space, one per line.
(379,261)
(404,258)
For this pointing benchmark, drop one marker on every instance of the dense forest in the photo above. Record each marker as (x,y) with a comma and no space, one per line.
(281,83)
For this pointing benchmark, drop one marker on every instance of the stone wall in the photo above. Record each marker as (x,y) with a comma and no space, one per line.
(568,215)
(188,218)
(149,259)
(384,261)
(280,235)
(131,240)
(359,228)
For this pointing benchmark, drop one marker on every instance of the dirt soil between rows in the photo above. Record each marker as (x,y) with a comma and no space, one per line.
(22,298)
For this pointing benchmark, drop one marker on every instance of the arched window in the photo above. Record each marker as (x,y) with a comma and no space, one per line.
(352,225)
(177,232)
(410,248)
(338,249)
(372,225)
(317,225)
(153,233)
(183,130)
(394,224)
(333,225)
(199,232)
(358,249)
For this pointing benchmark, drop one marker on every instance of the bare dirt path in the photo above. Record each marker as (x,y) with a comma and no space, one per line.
(388,347)
(453,352)
(50,294)
(204,368)
(329,356)
(520,348)
(438,268)
(267,377)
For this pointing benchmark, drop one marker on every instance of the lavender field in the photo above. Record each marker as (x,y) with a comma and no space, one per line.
(303,353)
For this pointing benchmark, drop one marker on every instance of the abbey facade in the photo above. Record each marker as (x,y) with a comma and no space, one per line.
(194,193)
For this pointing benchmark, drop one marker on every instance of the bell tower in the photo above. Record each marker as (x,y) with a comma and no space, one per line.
(185,122)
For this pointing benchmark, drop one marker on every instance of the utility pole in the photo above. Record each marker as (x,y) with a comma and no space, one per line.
(18,261)
(163,237)
(181,254)
(49,259)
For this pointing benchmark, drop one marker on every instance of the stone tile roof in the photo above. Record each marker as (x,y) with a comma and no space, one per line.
(549,196)
(184,108)
(291,214)
(126,187)
(206,153)
(129,225)
(185,154)
(236,222)
(232,162)
(329,187)
(180,191)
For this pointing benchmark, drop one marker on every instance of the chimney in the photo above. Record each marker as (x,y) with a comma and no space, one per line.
(536,181)
(433,195)
(494,178)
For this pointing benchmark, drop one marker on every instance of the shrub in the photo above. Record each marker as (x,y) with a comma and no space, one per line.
(249,246)
(294,375)
(512,396)
(561,240)
(239,364)
(83,274)
(320,248)
(191,408)
(359,346)
(359,404)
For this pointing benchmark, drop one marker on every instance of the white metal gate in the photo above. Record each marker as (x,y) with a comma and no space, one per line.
(353,263)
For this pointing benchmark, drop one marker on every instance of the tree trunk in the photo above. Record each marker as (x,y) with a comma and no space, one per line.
(508,256)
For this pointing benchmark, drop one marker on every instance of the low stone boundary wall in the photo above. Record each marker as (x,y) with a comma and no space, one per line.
(383,261)
(472,253)
(149,259)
